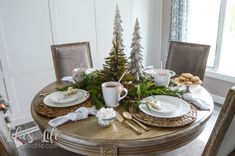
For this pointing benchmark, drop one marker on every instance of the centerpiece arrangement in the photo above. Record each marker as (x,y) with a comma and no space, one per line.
(138,83)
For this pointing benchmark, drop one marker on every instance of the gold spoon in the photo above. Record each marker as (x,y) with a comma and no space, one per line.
(128,116)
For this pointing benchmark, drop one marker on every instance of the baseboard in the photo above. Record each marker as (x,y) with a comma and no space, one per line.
(218,99)
(20,118)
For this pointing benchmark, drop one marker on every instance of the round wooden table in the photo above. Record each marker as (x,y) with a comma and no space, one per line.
(88,138)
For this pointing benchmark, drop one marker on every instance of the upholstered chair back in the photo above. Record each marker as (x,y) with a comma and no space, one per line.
(66,57)
(187,58)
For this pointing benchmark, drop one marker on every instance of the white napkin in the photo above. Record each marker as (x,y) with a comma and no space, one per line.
(200,97)
(68,79)
(79,114)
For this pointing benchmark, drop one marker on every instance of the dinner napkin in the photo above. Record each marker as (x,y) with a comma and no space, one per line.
(68,79)
(79,114)
(200,97)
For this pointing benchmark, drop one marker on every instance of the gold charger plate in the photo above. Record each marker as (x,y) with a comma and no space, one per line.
(52,112)
(165,122)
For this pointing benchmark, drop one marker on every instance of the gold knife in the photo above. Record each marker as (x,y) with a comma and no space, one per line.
(121,119)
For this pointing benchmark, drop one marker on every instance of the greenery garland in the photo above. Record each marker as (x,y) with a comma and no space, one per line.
(145,87)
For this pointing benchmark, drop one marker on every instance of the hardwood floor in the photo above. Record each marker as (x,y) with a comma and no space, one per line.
(204,136)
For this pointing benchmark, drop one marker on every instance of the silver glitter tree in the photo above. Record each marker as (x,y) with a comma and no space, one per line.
(117,29)
(136,56)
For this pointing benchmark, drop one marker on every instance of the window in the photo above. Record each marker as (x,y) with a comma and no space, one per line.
(227,54)
(212,22)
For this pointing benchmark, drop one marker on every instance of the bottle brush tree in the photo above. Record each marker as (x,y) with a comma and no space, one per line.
(115,64)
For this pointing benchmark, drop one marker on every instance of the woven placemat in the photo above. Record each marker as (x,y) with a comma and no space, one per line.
(47,111)
(165,122)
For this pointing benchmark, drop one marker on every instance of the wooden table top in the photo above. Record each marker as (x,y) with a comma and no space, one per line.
(87,137)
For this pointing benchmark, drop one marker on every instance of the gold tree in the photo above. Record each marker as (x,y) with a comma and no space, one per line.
(115,64)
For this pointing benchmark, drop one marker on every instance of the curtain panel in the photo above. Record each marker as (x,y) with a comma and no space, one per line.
(179,20)
(178,23)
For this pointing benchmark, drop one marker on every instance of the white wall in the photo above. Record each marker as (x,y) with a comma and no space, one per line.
(29,27)
(73,21)
(104,19)
(95,22)
(149,13)
(25,36)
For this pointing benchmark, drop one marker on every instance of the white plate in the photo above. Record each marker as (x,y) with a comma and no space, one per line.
(154,71)
(83,96)
(166,106)
(178,107)
(59,97)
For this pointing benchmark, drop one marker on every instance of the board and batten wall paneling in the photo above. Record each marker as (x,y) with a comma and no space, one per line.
(25,52)
(74,21)
(78,20)
(27,33)
(31,84)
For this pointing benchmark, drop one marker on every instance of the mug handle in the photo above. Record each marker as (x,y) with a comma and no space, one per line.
(126,92)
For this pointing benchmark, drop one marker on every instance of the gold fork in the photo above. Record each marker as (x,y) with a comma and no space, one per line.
(46,93)
(121,119)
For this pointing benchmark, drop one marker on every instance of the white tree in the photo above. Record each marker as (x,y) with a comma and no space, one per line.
(118,28)
(136,56)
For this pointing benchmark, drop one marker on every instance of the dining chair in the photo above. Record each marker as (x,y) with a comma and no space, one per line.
(66,57)
(186,57)
(222,139)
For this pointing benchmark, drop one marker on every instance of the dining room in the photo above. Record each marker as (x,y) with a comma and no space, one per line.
(117,77)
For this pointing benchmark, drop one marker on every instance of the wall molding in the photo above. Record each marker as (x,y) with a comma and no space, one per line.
(218,99)
(30,70)
(5,66)
(53,21)
(219,76)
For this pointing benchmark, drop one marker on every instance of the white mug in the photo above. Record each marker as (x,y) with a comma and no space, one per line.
(112,93)
(162,78)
